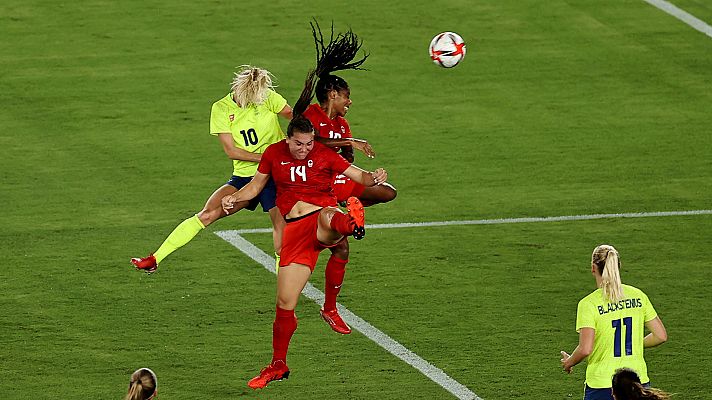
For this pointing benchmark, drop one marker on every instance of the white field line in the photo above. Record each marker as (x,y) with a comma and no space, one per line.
(434,373)
(682,15)
(511,220)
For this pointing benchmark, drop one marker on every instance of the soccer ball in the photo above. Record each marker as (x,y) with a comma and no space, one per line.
(447,49)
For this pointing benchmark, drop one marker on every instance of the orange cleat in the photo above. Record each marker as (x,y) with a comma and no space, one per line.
(355,208)
(335,322)
(147,264)
(276,371)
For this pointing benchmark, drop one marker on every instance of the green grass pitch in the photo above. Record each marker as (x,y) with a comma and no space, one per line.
(562,107)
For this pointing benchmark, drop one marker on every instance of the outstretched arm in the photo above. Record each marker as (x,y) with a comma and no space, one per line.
(584,348)
(366,178)
(236,153)
(248,192)
(358,144)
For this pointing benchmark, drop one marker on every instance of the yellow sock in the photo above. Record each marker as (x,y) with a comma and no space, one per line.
(182,234)
(276,263)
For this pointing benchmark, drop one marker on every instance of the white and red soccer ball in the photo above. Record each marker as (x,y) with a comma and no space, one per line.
(447,49)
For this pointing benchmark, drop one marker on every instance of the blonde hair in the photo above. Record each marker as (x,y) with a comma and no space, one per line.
(143,385)
(606,260)
(250,85)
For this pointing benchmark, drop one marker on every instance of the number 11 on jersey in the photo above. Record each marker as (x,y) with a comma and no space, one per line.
(616,324)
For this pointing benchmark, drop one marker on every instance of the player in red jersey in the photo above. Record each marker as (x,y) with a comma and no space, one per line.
(332,129)
(327,117)
(303,170)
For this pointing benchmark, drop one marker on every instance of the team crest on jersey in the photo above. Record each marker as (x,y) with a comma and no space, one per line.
(343,129)
(232,117)
(310,163)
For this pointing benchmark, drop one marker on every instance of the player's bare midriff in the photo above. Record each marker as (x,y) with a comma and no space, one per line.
(301,208)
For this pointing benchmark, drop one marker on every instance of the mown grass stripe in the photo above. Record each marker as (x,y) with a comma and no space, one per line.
(682,15)
(379,337)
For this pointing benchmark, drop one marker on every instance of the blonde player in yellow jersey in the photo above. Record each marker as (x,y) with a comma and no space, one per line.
(610,322)
(246,123)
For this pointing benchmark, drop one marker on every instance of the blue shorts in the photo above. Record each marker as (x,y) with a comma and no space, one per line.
(267,197)
(590,393)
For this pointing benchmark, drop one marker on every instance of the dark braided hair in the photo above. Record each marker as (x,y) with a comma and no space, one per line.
(337,55)
(326,84)
(626,386)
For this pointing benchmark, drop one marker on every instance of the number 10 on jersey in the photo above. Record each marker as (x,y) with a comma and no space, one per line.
(250,137)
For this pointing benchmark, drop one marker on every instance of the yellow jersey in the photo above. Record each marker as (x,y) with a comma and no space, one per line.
(619,332)
(253,128)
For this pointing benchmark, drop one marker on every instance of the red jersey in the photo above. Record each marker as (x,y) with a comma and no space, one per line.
(308,180)
(326,127)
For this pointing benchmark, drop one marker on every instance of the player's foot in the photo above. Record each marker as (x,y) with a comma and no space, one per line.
(147,264)
(355,208)
(276,371)
(335,322)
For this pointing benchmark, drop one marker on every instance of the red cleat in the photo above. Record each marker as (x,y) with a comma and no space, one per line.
(276,371)
(355,208)
(147,264)
(335,322)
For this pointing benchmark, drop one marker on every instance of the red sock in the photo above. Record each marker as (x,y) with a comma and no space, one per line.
(342,223)
(335,270)
(285,323)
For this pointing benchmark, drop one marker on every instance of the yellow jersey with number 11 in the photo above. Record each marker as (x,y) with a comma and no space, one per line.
(620,329)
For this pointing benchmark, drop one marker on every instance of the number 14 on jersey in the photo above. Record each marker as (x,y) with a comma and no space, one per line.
(299,170)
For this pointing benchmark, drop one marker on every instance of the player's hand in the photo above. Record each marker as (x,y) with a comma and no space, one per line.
(363,146)
(565,357)
(379,176)
(227,203)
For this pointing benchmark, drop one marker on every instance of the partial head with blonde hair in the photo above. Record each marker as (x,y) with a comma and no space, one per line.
(605,259)
(250,85)
(143,385)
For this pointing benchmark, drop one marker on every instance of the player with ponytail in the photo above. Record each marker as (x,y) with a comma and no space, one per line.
(143,385)
(303,171)
(333,96)
(610,272)
(245,121)
(611,324)
(626,386)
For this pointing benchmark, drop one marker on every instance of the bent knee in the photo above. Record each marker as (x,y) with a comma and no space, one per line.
(341,250)
(386,193)
(286,303)
(208,216)
(391,194)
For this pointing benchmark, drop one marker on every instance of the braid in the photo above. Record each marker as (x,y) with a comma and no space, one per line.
(337,55)
(307,94)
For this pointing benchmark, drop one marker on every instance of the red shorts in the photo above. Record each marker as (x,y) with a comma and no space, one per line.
(345,188)
(299,242)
